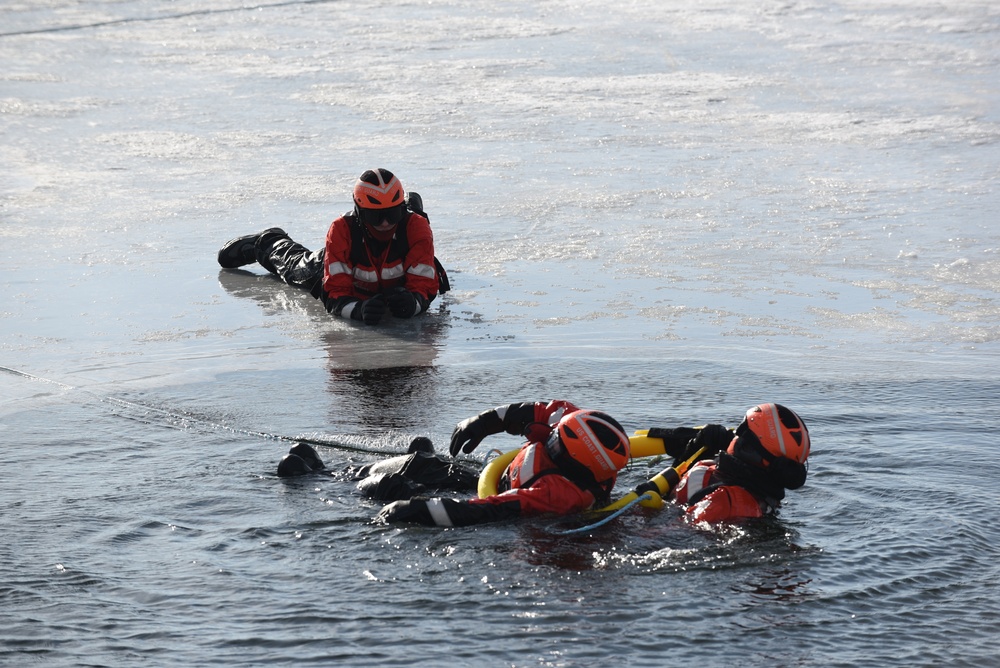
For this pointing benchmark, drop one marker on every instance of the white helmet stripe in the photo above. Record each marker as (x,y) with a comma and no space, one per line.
(597,447)
(779,435)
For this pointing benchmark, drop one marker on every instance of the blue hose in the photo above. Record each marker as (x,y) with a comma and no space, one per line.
(583,529)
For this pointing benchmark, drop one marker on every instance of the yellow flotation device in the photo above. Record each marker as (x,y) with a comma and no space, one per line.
(640,444)
(489,477)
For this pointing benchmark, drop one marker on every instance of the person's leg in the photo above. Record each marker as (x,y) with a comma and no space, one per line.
(292,262)
(241,250)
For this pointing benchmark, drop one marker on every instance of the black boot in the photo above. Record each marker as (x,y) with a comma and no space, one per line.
(309,455)
(293,465)
(420,444)
(241,250)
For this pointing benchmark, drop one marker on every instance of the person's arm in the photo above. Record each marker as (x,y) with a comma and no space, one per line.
(549,495)
(682,442)
(512,418)
(420,278)
(421,275)
(449,512)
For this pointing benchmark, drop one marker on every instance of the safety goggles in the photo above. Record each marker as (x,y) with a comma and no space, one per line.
(750,447)
(379,217)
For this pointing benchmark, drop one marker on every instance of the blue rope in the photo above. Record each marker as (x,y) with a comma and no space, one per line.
(607,519)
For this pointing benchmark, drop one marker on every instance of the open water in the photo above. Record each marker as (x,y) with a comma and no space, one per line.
(668,210)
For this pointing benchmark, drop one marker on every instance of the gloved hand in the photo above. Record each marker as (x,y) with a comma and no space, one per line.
(372,310)
(389,487)
(713,437)
(412,510)
(403,303)
(675,440)
(470,433)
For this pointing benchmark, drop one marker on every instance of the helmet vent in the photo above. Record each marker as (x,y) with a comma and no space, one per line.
(606,435)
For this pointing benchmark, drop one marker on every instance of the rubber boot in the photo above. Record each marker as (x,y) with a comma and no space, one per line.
(420,444)
(241,250)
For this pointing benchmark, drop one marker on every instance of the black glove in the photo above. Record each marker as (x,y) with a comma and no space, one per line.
(403,303)
(713,437)
(372,310)
(389,487)
(412,510)
(674,440)
(470,433)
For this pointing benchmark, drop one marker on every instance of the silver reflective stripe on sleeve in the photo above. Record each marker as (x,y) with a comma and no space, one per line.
(392,273)
(335,268)
(348,310)
(424,270)
(365,275)
(438,512)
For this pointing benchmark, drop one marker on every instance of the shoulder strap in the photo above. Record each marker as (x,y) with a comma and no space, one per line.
(415,204)
(357,253)
(444,285)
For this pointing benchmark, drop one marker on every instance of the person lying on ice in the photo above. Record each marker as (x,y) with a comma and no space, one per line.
(420,471)
(377,258)
(569,464)
(741,473)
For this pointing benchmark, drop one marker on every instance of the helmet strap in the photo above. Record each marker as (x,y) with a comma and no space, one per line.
(574,471)
(734,471)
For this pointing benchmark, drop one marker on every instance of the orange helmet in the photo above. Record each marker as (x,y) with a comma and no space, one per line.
(378,189)
(589,442)
(770,431)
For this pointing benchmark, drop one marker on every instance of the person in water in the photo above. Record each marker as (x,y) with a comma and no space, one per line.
(742,473)
(569,464)
(377,258)
(420,471)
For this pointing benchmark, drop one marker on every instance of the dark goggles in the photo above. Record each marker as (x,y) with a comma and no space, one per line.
(749,446)
(376,217)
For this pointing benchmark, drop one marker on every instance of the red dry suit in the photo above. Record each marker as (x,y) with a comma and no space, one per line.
(715,501)
(358,266)
(531,484)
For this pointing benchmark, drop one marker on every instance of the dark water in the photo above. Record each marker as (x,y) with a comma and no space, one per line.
(191,550)
(671,211)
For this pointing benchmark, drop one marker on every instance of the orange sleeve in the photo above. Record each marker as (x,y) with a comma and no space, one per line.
(338,272)
(421,276)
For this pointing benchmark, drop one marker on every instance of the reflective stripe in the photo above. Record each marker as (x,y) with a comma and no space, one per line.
(335,268)
(775,423)
(365,275)
(393,272)
(527,468)
(558,415)
(348,310)
(422,270)
(696,479)
(438,513)
(597,450)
